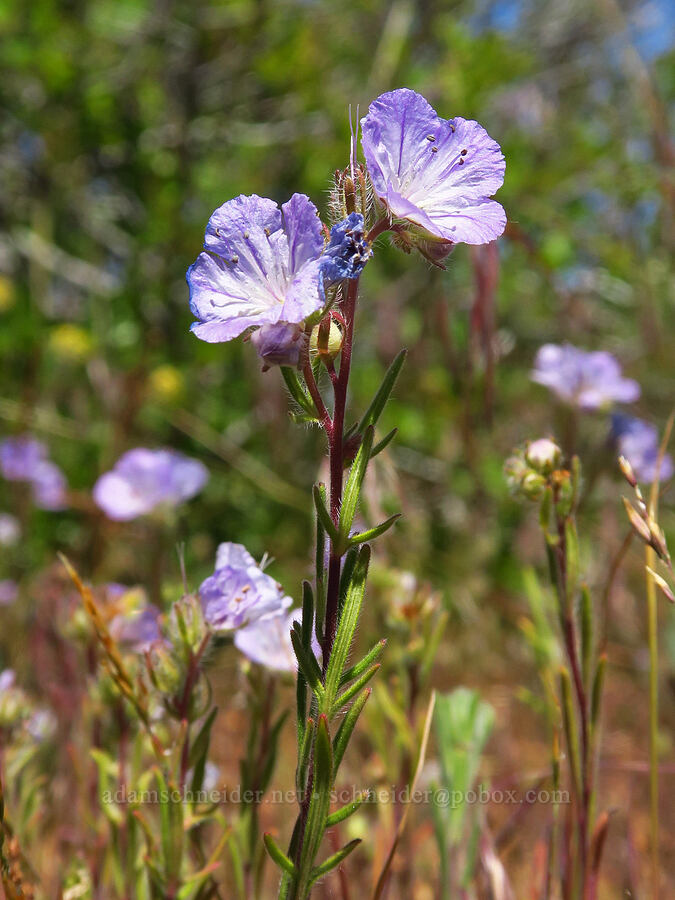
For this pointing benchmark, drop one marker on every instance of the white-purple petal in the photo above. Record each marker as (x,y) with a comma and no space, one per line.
(260,266)
(589,380)
(438,174)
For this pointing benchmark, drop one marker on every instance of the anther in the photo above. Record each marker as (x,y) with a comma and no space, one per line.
(464,152)
(431,138)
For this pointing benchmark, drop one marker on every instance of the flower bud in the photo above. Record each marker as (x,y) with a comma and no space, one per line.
(279,345)
(186,627)
(164,669)
(351,193)
(331,343)
(543,455)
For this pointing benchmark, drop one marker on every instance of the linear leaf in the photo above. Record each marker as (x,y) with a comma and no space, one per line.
(374,411)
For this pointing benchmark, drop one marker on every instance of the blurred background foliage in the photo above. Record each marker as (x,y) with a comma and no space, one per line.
(126,122)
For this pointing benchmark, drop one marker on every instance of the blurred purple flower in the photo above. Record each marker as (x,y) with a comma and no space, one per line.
(239,592)
(589,380)
(279,345)
(260,266)
(436,173)
(24,458)
(9,591)
(141,480)
(10,531)
(267,641)
(639,442)
(20,457)
(41,725)
(49,486)
(7,680)
(137,629)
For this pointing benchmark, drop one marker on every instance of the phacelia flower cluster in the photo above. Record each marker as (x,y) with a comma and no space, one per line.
(587,380)
(24,458)
(144,480)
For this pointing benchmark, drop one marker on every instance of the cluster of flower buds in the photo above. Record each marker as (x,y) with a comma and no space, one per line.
(530,470)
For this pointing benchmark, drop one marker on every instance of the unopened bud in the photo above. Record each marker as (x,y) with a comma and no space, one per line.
(326,344)
(627,471)
(543,455)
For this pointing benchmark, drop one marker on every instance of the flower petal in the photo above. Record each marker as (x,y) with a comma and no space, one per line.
(302,225)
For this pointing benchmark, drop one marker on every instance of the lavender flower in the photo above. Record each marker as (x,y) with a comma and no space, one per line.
(260,266)
(239,592)
(589,380)
(437,174)
(24,458)
(348,250)
(142,480)
(267,641)
(7,680)
(639,442)
(137,629)
(9,591)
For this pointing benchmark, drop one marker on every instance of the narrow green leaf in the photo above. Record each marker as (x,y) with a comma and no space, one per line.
(352,491)
(572,548)
(346,577)
(375,532)
(596,696)
(307,662)
(374,411)
(371,656)
(347,623)
(278,855)
(200,749)
(304,755)
(333,860)
(346,728)
(347,695)
(319,804)
(320,572)
(586,622)
(171,827)
(345,811)
(324,515)
(298,392)
(570,726)
(381,445)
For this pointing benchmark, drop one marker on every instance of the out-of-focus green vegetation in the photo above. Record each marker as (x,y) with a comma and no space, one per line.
(126,122)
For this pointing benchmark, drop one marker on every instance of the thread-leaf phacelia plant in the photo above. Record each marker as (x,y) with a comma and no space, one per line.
(291,282)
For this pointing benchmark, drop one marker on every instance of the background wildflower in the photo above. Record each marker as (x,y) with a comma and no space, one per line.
(143,480)
(639,442)
(589,380)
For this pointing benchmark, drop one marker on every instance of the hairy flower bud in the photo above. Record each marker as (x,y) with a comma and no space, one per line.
(543,455)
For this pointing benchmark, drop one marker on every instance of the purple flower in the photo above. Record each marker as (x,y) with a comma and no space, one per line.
(639,442)
(7,680)
(260,266)
(9,591)
(49,486)
(589,380)
(239,591)
(25,459)
(436,173)
(137,629)
(267,641)
(141,480)
(279,345)
(20,457)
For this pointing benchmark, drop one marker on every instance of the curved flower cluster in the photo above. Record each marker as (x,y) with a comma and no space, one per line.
(143,480)
(24,458)
(588,380)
